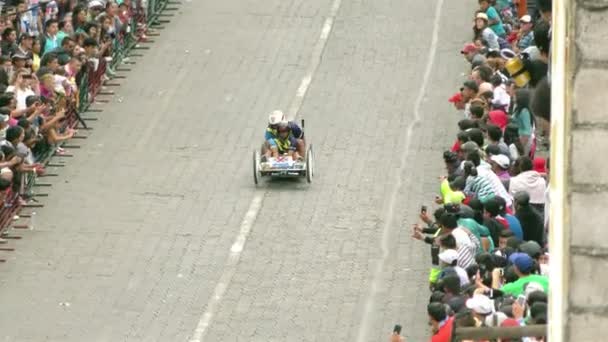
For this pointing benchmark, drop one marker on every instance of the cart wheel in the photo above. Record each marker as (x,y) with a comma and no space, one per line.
(312,160)
(309,166)
(256,167)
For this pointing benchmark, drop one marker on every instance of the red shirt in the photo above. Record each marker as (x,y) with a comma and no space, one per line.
(499,118)
(445,332)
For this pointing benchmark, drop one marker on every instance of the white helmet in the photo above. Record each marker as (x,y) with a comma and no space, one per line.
(276,117)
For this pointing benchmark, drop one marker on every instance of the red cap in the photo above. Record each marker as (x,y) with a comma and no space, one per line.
(456,98)
(539,165)
(468,48)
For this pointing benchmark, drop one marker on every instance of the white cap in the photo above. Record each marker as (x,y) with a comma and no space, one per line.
(276,117)
(501,160)
(526,19)
(448,256)
(533,286)
(480,304)
(482,15)
(96,3)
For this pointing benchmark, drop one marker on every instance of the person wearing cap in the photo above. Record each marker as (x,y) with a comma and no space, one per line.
(457,101)
(523,266)
(484,32)
(472,53)
(500,165)
(469,51)
(481,306)
(25,46)
(449,263)
(525,35)
(277,122)
(19,60)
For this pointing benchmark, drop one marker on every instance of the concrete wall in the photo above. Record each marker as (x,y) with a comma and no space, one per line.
(587,181)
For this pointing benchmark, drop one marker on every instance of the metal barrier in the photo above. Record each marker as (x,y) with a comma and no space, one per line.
(492,333)
(143,13)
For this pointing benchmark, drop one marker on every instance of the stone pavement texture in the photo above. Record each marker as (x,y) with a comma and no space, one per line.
(133,238)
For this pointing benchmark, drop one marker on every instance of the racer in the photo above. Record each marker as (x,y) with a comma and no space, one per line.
(283,143)
(275,119)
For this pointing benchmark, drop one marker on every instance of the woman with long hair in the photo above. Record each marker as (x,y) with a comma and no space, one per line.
(522,116)
(482,31)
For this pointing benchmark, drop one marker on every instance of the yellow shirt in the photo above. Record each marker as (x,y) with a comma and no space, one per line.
(35,62)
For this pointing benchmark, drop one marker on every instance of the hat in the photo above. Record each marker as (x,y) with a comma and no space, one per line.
(539,165)
(26,35)
(485,87)
(469,146)
(448,256)
(276,117)
(18,55)
(482,16)
(533,286)
(526,19)
(501,160)
(480,304)
(522,261)
(468,48)
(471,85)
(456,98)
(95,3)
(532,248)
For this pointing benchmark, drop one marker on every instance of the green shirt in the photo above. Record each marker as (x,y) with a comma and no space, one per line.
(516,288)
(480,231)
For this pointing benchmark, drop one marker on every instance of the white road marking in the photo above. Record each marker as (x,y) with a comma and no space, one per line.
(256,203)
(315,60)
(368,311)
(229,267)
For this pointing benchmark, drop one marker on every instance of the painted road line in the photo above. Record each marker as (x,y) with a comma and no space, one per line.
(256,203)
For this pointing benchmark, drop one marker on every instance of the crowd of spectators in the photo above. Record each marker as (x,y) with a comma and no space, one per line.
(49,51)
(488,234)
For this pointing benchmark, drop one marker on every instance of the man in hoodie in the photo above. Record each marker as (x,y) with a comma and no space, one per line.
(531,182)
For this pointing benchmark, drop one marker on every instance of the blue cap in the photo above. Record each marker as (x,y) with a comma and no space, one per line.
(522,261)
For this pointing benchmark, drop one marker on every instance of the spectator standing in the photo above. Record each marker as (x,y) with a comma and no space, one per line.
(531,182)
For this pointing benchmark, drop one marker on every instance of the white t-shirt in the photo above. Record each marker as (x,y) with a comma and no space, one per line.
(21,95)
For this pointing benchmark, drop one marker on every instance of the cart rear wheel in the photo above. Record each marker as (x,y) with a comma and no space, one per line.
(309,165)
(256,167)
